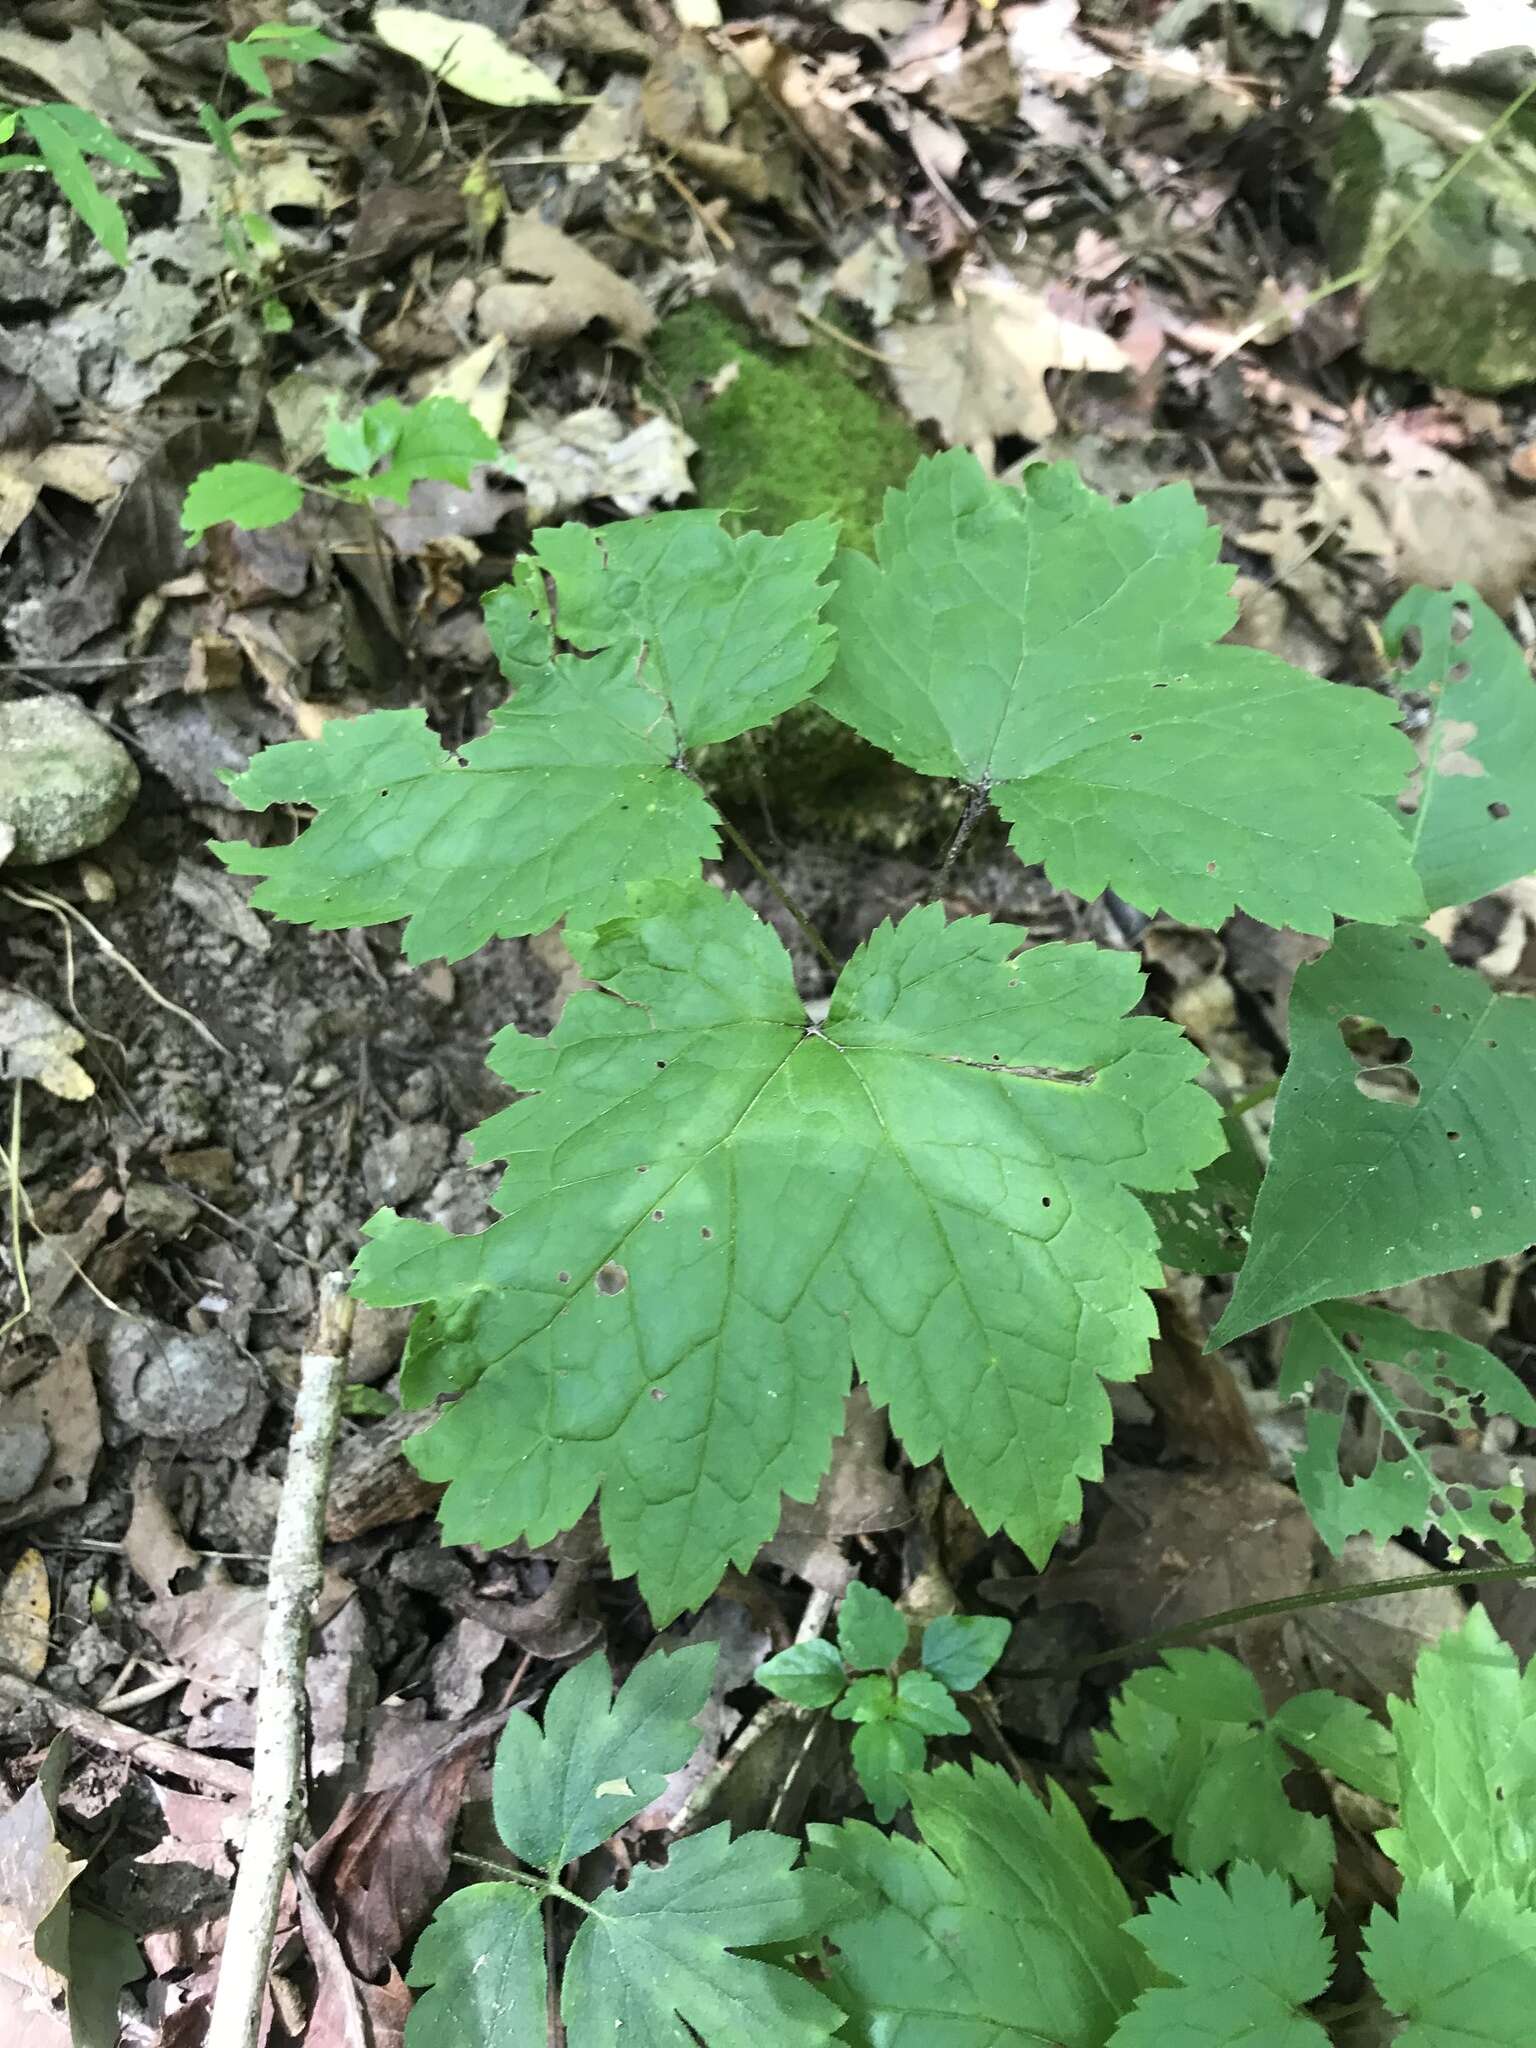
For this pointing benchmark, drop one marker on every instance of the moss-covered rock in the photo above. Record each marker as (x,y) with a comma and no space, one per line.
(786,435)
(1450,291)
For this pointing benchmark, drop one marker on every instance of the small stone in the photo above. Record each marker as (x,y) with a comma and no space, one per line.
(160,1212)
(65,784)
(400,1166)
(25,1448)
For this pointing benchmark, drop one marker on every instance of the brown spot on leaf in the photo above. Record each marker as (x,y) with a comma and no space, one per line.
(611,1279)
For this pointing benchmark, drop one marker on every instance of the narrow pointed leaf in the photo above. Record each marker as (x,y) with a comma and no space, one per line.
(1059,651)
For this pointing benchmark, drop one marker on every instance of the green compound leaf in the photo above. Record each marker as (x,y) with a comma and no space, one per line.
(1057,651)
(359,445)
(960,1649)
(871,1630)
(712,1209)
(1466,1749)
(1191,1751)
(1005,1931)
(926,1705)
(1414,1382)
(438,441)
(574,791)
(1341,1736)
(872,1698)
(249,494)
(561,1790)
(886,1753)
(1462,1976)
(1362,1192)
(1244,1954)
(660,1951)
(1472,825)
(649,1958)
(806,1674)
(483,1959)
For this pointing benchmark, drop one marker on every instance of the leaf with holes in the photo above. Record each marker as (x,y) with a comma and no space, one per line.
(713,1209)
(1471,803)
(1244,1956)
(1190,1749)
(1058,651)
(1364,1193)
(1413,1382)
(1205,1228)
(1004,1926)
(684,635)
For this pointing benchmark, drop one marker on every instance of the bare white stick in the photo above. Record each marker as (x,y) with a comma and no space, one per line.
(293,1587)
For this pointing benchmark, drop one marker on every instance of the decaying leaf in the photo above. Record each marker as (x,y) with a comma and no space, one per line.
(61,1402)
(37,1045)
(978,369)
(466,55)
(25,1607)
(554,289)
(565,463)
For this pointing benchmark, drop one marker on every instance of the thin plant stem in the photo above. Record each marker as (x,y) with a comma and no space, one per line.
(1364,272)
(781,895)
(13,1188)
(1293,1603)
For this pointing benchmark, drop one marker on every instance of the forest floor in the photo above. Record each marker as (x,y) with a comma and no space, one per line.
(760,260)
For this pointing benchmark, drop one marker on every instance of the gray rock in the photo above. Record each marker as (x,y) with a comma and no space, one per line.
(65,784)
(25,1448)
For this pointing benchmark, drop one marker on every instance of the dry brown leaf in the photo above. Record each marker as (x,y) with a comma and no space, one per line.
(1176,1546)
(98,69)
(1367,1649)
(25,1611)
(554,289)
(858,1495)
(689,107)
(563,464)
(62,1401)
(978,369)
(36,1872)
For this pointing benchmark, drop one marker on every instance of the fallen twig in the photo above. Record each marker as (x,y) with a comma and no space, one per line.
(293,1585)
(152,1752)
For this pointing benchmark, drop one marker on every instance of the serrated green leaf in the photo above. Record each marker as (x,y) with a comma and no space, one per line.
(659,1952)
(1462,1976)
(928,1706)
(575,791)
(248,494)
(1363,1194)
(1005,1931)
(1473,822)
(872,1698)
(1245,1956)
(481,1964)
(807,1674)
(886,1753)
(1205,1229)
(359,445)
(1214,1785)
(1343,1737)
(1056,650)
(710,1206)
(598,1760)
(66,161)
(871,1630)
(1336,1352)
(440,441)
(960,1649)
(1466,1758)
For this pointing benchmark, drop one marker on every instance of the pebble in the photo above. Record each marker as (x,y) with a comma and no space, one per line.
(65,783)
